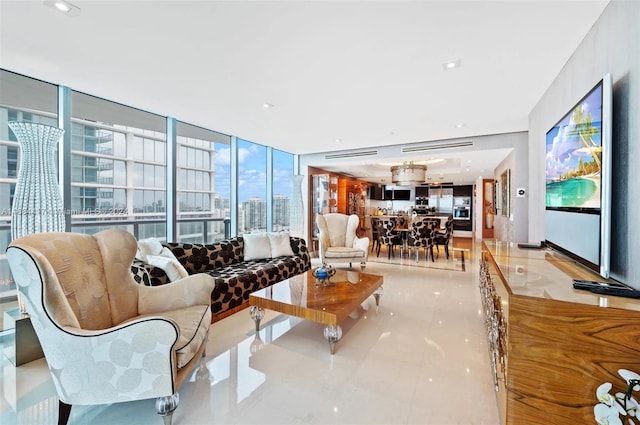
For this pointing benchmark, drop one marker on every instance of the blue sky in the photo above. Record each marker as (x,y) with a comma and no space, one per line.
(252,168)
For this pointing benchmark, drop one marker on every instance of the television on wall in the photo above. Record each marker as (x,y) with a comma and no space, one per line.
(578,180)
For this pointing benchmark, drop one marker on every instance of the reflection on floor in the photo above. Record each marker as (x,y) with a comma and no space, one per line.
(419,358)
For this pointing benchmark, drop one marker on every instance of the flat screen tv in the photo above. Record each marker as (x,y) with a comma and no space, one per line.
(578,180)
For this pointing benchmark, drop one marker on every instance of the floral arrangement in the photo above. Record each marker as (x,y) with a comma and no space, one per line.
(610,408)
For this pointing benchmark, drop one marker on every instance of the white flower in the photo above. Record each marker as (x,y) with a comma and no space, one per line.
(628,376)
(610,408)
(606,415)
(603,394)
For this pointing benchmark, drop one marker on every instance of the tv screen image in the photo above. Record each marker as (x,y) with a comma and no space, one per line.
(578,180)
(574,156)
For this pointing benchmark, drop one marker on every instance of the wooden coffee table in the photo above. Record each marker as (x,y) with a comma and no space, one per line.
(301,296)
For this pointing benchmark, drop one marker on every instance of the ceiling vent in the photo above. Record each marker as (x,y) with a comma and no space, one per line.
(437,184)
(430,146)
(355,154)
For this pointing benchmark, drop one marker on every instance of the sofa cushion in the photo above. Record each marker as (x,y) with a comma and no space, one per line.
(234,283)
(280,244)
(197,258)
(148,275)
(343,252)
(256,246)
(150,246)
(192,334)
(169,263)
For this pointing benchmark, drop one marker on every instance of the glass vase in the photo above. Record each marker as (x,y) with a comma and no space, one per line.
(37,204)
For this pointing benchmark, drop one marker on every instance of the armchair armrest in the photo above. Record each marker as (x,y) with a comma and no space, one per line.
(299,246)
(78,360)
(191,290)
(363,244)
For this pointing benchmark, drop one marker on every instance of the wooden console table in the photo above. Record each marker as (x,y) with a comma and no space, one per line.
(551,345)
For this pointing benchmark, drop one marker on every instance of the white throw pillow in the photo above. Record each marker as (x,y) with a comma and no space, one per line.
(280,244)
(151,246)
(169,263)
(256,246)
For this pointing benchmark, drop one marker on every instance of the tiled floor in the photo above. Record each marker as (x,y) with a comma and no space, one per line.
(419,358)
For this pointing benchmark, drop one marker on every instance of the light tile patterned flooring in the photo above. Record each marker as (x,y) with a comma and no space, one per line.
(419,358)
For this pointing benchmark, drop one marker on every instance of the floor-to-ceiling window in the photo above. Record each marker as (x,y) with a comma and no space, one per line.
(202,181)
(252,187)
(115,170)
(118,167)
(282,190)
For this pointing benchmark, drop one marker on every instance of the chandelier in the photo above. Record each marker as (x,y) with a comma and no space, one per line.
(408,174)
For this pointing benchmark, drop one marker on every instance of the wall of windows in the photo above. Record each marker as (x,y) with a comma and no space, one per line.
(252,187)
(118,164)
(202,183)
(282,190)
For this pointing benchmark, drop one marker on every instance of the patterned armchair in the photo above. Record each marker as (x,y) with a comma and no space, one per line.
(105,338)
(338,240)
(422,235)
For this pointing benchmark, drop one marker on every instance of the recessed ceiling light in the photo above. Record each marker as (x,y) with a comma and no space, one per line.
(338,140)
(63,6)
(459,125)
(267,105)
(452,64)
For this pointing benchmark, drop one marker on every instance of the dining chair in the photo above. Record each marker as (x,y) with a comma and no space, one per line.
(444,238)
(389,236)
(375,234)
(422,235)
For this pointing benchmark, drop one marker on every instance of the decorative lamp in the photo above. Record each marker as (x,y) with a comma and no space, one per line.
(408,174)
(37,203)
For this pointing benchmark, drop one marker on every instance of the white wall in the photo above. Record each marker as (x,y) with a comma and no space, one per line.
(612,46)
(503,225)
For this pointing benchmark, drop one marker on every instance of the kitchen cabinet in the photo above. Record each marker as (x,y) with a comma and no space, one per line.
(376,192)
(397,194)
(465,190)
(462,208)
(422,191)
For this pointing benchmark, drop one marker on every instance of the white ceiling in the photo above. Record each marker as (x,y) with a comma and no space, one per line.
(367,73)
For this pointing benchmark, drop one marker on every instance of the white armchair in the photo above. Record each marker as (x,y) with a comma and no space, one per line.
(339,242)
(105,338)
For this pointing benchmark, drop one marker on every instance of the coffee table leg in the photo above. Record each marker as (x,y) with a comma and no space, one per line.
(257,314)
(377,295)
(333,335)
